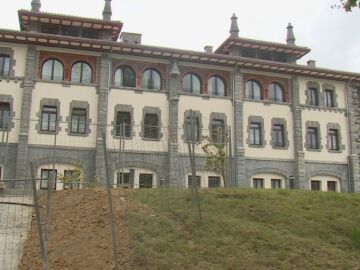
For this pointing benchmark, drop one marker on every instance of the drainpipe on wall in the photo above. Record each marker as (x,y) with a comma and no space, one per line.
(349,169)
(234,126)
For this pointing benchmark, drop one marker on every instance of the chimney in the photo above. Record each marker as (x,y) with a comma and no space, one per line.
(311,63)
(208,49)
(130,38)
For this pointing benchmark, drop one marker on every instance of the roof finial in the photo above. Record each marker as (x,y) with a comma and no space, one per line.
(35,5)
(107,11)
(290,38)
(234,29)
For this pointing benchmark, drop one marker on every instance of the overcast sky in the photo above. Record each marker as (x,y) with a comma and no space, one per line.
(331,34)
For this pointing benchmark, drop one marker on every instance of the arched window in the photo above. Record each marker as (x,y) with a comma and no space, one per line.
(151,79)
(81,72)
(253,90)
(124,76)
(276,92)
(191,84)
(4,65)
(53,70)
(216,86)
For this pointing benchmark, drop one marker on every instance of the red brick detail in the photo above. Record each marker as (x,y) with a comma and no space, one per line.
(68,60)
(265,81)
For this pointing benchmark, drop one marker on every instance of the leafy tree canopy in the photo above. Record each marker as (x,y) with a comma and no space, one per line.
(348,5)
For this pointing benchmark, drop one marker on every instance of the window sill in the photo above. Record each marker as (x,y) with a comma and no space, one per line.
(313,150)
(78,134)
(256,145)
(204,96)
(334,151)
(45,132)
(151,139)
(138,90)
(280,147)
(66,83)
(125,138)
(268,102)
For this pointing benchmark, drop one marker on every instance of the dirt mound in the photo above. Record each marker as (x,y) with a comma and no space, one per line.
(79,232)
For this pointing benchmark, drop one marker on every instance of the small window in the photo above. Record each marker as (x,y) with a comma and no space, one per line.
(123,179)
(123,124)
(333,139)
(45,174)
(312,138)
(253,90)
(191,84)
(198,181)
(214,181)
(4,115)
(125,76)
(275,183)
(265,55)
(216,86)
(70,31)
(331,185)
(89,33)
(192,128)
(52,70)
(78,121)
(247,52)
(145,180)
(280,57)
(4,65)
(315,185)
(151,126)
(278,135)
(276,92)
(313,97)
(255,134)
(258,183)
(218,130)
(81,73)
(72,178)
(329,98)
(48,118)
(49,29)
(151,79)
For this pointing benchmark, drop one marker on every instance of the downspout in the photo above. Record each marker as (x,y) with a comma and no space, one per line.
(234,126)
(349,169)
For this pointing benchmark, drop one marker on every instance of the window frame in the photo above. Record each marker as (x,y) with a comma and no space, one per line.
(128,126)
(329,188)
(6,58)
(81,76)
(215,86)
(211,179)
(273,181)
(124,81)
(197,179)
(256,181)
(333,139)
(278,133)
(53,61)
(255,138)
(276,88)
(313,96)
(193,77)
(218,130)
(329,98)
(315,185)
(49,114)
(77,114)
(48,171)
(150,83)
(149,128)
(5,120)
(250,91)
(312,138)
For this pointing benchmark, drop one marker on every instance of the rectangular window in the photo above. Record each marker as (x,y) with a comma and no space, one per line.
(71,179)
(49,29)
(255,134)
(275,183)
(45,174)
(78,121)
(217,130)
(70,31)
(192,128)
(329,98)
(123,179)
(198,180)
(151,126)
(4,115)
(333,139)
(313,97)
(123,124)
(4,65)
(48,118)
(278,135)
(331,185)
(258,183)
(315,185)
(214,181)
(312,140)
(145,180)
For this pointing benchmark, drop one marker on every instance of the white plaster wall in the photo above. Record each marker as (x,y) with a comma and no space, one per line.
(137,172)
(323,179)
(65,95)
(267,112)
(267,179)
(339,89)
(323,118)
(13,89)
(206,107)
(138,101)
(204,178)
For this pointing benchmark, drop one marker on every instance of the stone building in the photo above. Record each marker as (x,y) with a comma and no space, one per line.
(292,126)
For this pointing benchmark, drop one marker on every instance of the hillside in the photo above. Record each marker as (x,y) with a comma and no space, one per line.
(240,229)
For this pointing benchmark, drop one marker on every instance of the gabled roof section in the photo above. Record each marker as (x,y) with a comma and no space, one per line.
(296,51)
(25,17)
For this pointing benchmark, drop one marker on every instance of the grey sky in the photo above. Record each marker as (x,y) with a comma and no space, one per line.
(331,34)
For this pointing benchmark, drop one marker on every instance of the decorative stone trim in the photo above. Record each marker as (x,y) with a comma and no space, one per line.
(341,146)
(197,115)
(331,87)
(10,100)
(77,104)
(260,120)
(313,124)
(314,85)
(280,121)
(151,110)
(49,102)
(218,116)
(323,109)
(10,52)
(123,108)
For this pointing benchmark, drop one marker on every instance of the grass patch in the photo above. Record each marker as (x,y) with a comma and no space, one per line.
(243,229)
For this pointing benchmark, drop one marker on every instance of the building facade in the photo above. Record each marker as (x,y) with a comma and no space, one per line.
(291,125)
